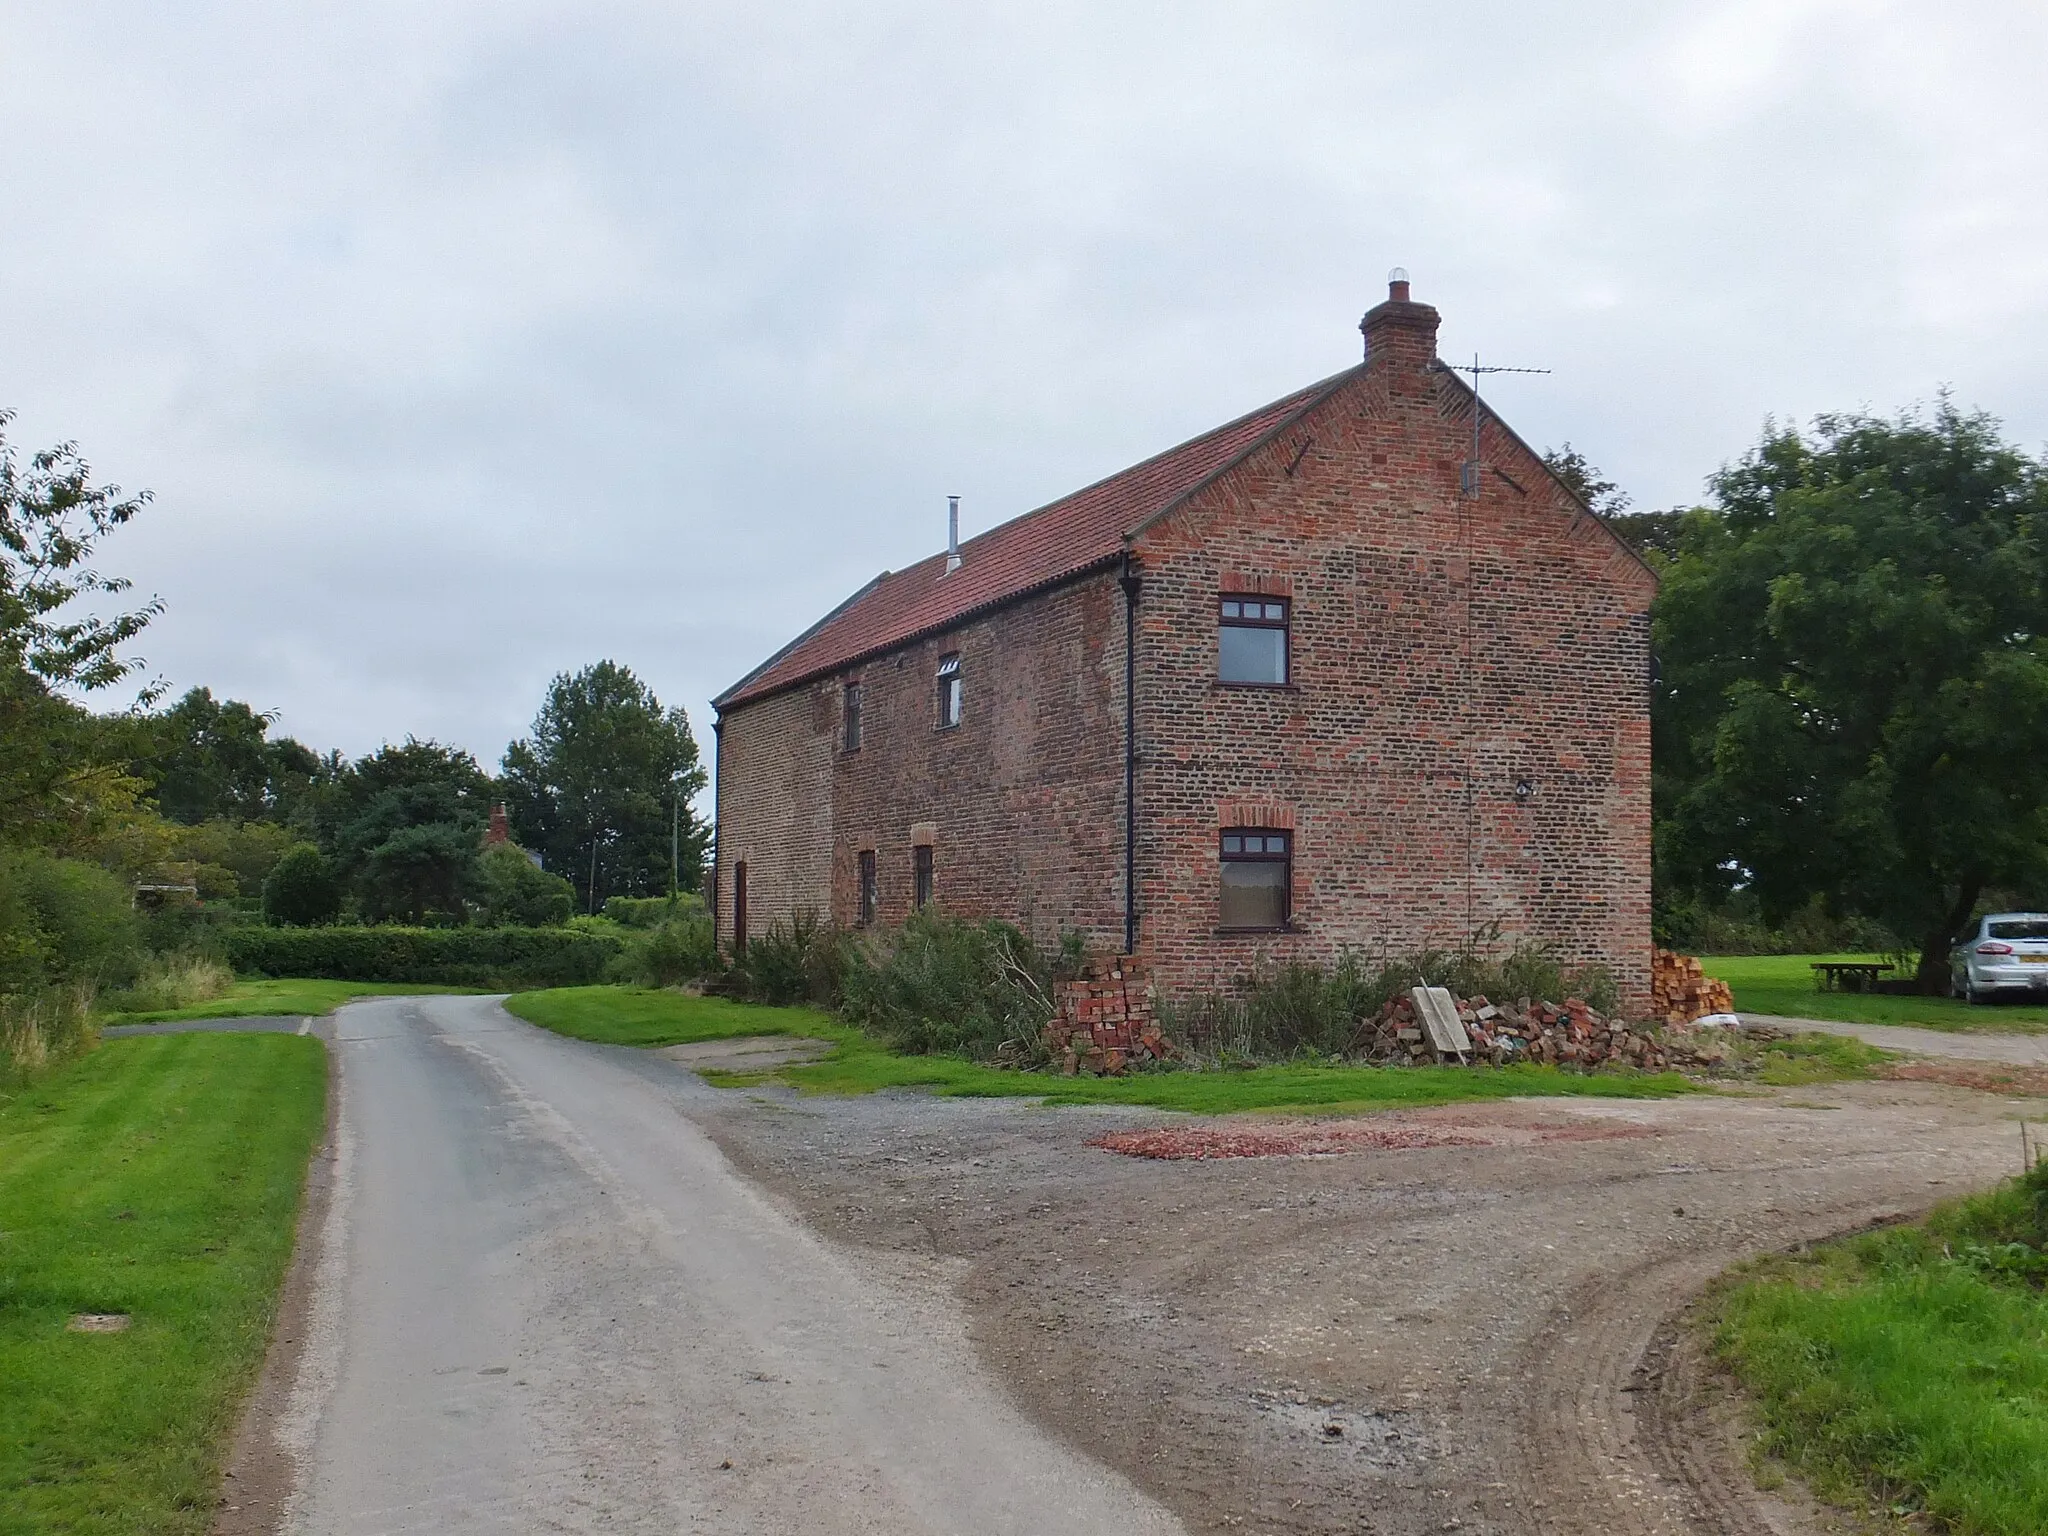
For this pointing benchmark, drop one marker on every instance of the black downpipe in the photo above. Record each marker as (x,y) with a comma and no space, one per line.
(1128,580)
(717,821)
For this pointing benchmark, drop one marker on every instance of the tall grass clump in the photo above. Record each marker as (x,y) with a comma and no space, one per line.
(42,1028)
(1278,1011)
(943,984)
(165,982)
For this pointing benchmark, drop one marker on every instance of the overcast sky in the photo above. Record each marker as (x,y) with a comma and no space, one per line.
(463,343)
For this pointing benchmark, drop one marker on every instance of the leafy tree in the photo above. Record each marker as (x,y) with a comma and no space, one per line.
(595,788)
(213,759)
(301,890)
(1653,535)
(57,763)
(513,891)
(1854,694)
(409,828)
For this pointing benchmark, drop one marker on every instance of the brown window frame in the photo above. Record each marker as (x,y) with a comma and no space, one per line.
(867,887)
(924,879)
(1265,837)
(1226,619)
(952,692)
(849,716)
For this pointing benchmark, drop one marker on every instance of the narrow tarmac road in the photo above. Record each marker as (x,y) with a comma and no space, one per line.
(544,1301)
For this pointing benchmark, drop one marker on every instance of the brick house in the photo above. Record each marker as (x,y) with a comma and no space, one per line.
(1309,681)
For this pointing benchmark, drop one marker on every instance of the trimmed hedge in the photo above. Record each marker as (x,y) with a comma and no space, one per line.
(454,957)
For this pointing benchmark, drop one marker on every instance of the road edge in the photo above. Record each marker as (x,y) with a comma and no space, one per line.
(261,1474)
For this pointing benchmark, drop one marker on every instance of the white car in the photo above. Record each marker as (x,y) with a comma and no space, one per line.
(2007,952)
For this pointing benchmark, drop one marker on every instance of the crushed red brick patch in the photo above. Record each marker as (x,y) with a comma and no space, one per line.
(1335,1138)
(1986,1078)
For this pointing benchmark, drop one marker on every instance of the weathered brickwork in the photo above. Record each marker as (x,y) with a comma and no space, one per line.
(1020,802)
(1445,651)
(1463,741)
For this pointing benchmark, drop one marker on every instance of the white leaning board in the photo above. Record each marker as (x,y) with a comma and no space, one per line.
(1438,1011)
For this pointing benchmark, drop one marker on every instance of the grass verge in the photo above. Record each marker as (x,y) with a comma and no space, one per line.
(860,1064)
(1817,1058)
(1783,985)
(1907,1369)
(158,1178)
(269,998)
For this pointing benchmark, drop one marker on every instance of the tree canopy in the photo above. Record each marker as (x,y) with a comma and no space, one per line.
(601,782)
(407,828)
(1854,677)
(214,758)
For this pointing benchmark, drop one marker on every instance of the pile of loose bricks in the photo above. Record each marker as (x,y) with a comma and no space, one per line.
(1681,992)
(1105,1018)
(1572,1033)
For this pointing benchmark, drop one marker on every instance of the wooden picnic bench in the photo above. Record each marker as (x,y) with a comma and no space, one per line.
(1848,975)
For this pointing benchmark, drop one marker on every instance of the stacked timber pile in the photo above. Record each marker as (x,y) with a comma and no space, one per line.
(1104,1017)
(1681,992)
(1572,1033)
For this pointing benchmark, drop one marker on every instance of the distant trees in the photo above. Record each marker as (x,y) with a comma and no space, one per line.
(214,759)
(603,782)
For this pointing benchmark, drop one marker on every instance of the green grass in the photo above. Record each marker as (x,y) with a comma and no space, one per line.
(1783,985)
(270,998)
(1818,1058)
(160,1178)
(861,1064)
(1908,1368)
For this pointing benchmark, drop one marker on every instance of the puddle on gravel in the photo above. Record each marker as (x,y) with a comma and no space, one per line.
(1381,1439)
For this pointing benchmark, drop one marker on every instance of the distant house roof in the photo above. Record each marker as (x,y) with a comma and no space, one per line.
(1026,554)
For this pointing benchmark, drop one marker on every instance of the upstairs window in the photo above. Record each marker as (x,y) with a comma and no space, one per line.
(849,716)
(921,875)
(949,691)
(1252,641)
(868,893)
(1258,871)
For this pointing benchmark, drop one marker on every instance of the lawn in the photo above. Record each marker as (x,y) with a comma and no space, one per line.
(1908,1369)
(267,998)
(861,1064)
(1783,985)
(158,1178)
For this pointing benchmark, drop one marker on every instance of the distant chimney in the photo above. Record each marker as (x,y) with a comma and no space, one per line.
(952,534)
(500,829)
(1399,333)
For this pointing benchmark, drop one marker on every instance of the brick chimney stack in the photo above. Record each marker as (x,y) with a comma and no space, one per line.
(500,829)
(1399,333)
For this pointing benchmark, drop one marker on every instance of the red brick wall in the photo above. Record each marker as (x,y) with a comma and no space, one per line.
(1443,650)
(1021,802)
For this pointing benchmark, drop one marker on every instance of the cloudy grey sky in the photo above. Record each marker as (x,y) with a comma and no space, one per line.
(467,342)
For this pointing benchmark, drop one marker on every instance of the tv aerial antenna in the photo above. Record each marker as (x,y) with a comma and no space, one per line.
(1468,472)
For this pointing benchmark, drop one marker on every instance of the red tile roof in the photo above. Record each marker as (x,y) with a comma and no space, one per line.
(1026,554)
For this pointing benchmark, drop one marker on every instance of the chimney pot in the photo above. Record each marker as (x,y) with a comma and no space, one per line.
(1397,285)
(952,534)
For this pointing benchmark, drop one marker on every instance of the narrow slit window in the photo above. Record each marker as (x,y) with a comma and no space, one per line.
(869,896)
(850,718)
(921,875)
(1252,640)
(949,691)
(1258,873)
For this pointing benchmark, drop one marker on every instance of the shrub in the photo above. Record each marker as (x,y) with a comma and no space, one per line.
(1282,1010)
(61,921)
(473,957)
(302,890)
(676,952)
(940,983)
(794,962)
(515,892)
(652,912)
